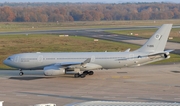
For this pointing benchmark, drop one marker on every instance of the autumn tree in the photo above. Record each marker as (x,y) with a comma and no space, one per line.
(53,12)
(76,14)
(6,14)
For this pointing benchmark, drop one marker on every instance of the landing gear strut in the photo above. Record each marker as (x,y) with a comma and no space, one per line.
(21,73)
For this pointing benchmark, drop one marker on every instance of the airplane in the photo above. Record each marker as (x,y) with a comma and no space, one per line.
(80,63)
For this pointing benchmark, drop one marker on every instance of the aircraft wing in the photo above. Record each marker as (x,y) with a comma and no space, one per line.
(62,68)
(66,64)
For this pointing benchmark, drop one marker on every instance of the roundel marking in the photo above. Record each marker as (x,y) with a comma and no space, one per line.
(157,36)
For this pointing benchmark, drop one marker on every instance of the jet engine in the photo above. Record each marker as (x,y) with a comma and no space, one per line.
(53,71)
(166,55)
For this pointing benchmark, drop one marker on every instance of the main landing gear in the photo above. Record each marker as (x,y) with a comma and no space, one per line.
(77,75)
(21,73)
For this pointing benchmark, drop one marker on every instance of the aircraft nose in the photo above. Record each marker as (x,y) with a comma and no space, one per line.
(8,61)
(5,62)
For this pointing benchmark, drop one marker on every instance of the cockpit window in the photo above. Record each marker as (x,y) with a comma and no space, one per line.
(139,56)
(10,59)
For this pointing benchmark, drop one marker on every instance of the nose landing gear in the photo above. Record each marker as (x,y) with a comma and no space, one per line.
(21,73)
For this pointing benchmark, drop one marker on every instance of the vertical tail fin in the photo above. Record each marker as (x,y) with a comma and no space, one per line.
(158,41)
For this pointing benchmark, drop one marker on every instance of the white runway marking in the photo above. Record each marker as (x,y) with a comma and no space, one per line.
(155,98)
(3,78)
(87,96)
(40,95)
(20,95)
(177,98)
(132,97)
(2,94)
(109,97)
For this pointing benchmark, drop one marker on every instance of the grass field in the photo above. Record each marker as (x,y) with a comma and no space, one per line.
(28,26)
(12,44)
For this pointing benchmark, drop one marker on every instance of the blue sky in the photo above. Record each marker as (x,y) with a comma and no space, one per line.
(104,1)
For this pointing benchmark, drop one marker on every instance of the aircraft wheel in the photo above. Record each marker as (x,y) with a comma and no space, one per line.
(83,75)
(76,75)
(90,72)
(85,72)
(21,73)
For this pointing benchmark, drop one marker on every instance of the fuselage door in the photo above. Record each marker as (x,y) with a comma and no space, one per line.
(131,56)
(40,58)
(92,58)
(16,59)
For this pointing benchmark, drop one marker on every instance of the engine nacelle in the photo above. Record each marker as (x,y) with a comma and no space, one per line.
(166,55)
(53,71)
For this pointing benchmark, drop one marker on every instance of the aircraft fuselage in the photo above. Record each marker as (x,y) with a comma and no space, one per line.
(108,60)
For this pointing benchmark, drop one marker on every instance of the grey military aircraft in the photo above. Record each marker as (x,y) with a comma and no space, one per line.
(80,63)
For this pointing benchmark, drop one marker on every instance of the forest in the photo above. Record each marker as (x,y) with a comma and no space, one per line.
(59,12)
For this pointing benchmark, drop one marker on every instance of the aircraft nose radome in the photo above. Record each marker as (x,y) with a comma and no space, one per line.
(8,62)
(5,62)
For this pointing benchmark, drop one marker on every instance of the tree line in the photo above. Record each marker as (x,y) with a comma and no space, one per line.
(57,12)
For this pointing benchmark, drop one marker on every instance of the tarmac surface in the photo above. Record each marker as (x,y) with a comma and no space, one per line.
(150,83)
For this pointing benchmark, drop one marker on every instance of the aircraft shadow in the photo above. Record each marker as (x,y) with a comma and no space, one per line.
(176,72)
(30,78)
(39,77)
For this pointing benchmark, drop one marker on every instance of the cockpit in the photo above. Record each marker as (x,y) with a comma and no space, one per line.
(9,59)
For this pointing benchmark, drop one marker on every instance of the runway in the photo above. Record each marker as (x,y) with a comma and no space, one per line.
(150,83)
